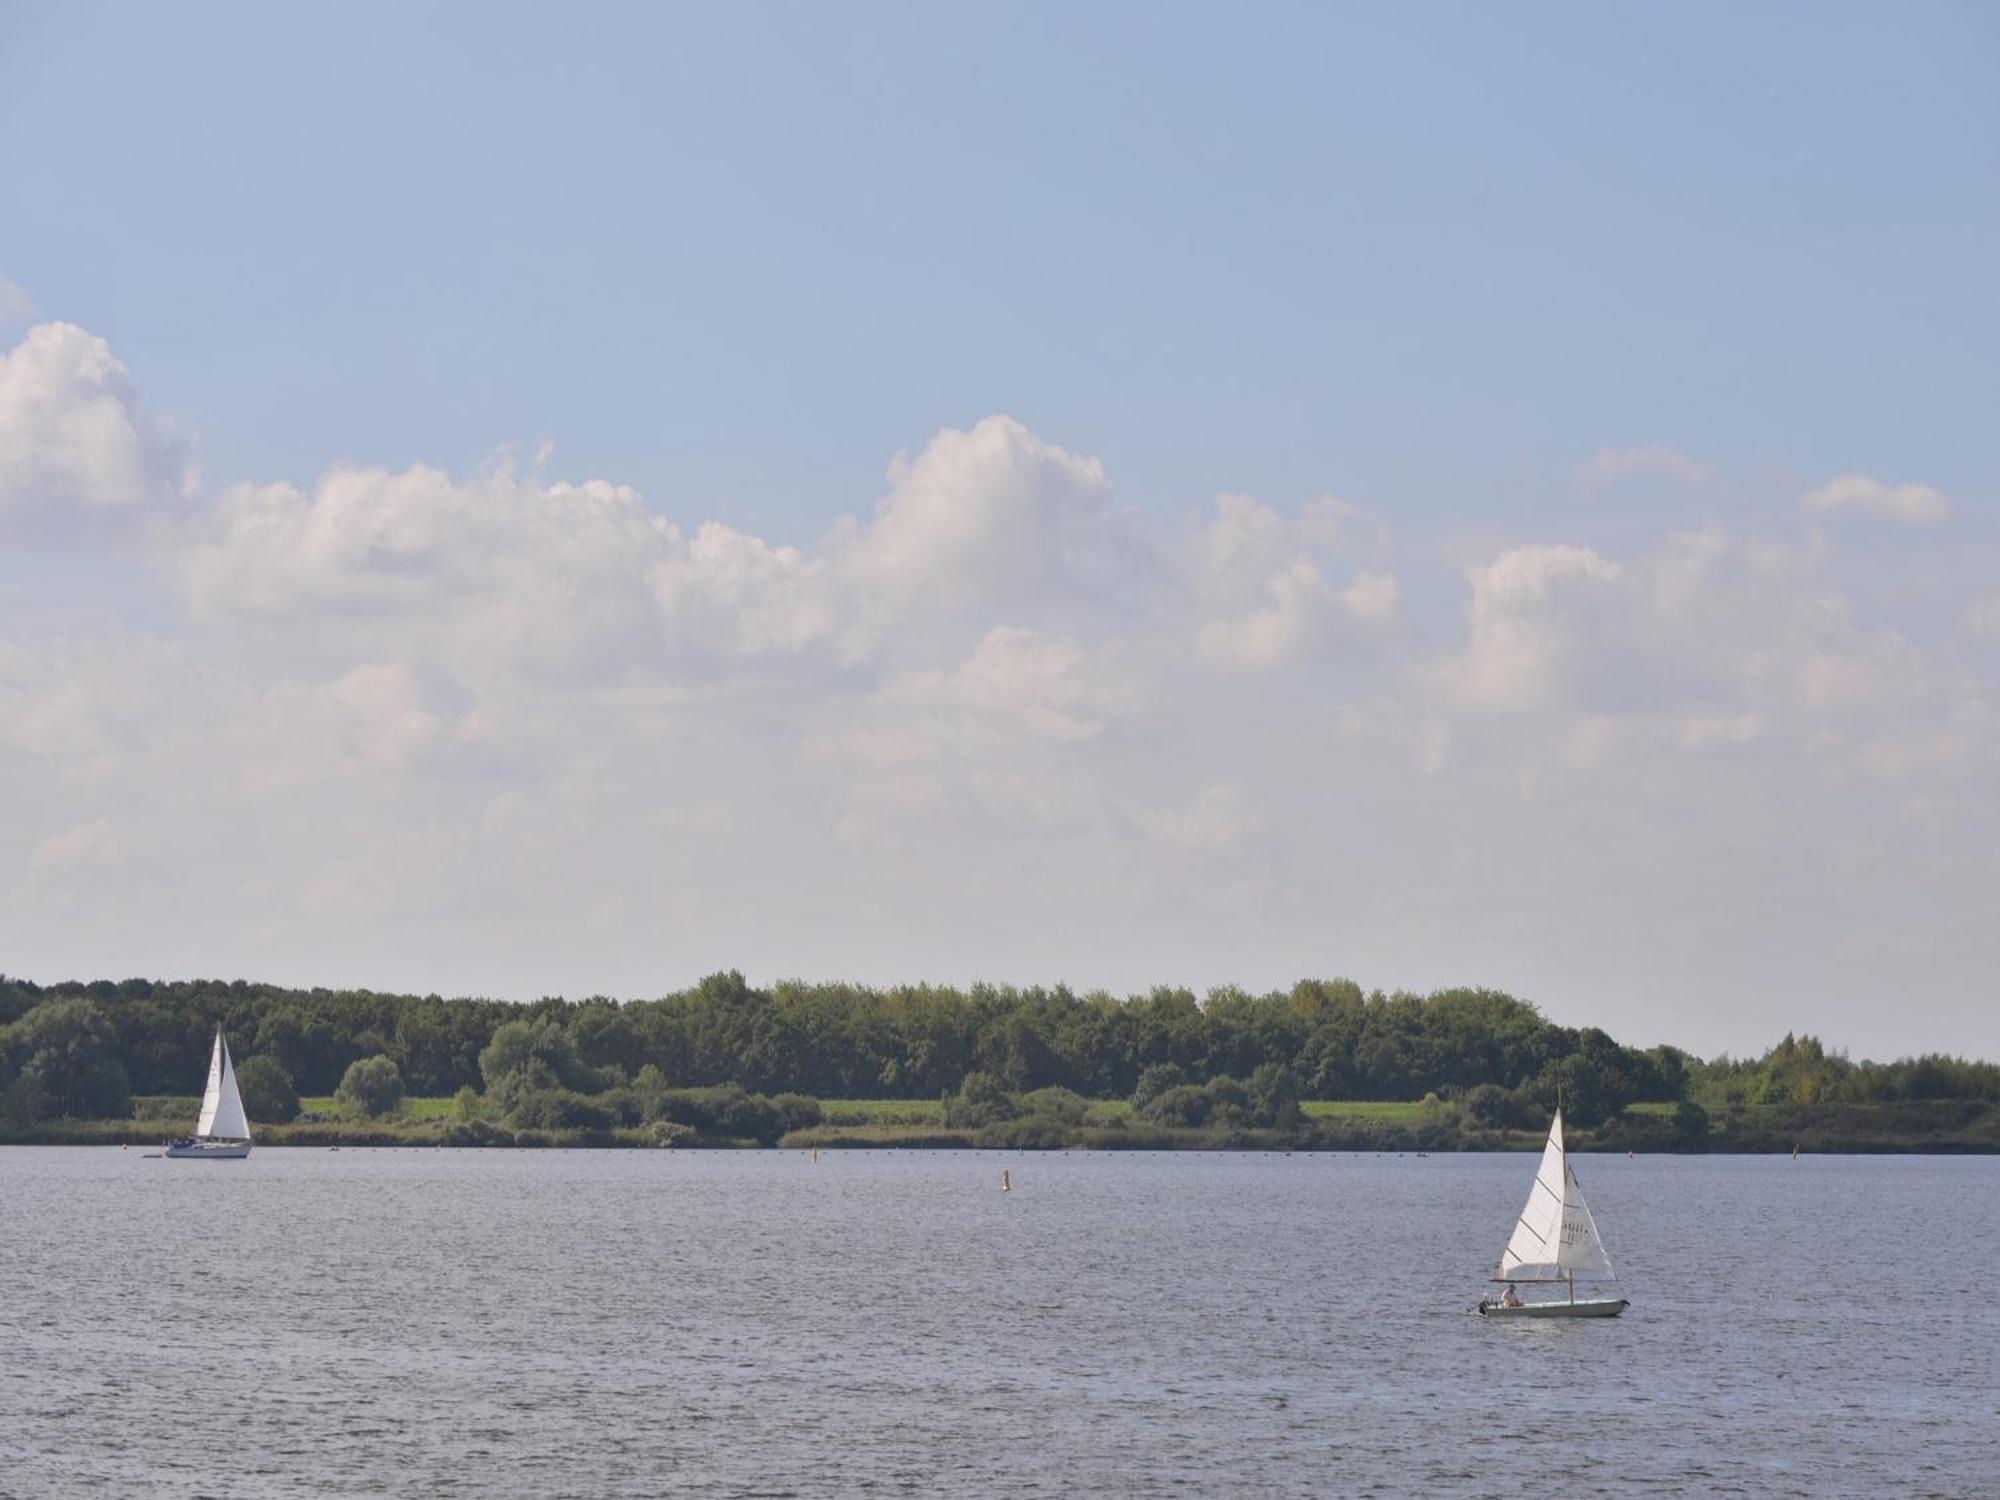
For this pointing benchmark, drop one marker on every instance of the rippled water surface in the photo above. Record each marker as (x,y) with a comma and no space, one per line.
(626,1323)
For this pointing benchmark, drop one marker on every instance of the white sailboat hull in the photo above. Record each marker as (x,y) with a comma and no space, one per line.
(209,1150)
(1595,1307)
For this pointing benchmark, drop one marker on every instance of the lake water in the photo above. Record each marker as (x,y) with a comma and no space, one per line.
(626,1324)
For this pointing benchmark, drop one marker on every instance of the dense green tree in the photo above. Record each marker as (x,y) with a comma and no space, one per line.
(66,1054)
(1486,1104)
(1274,1096)
(1184,1107)
(1064,1107)
(371,1087)
(981,1100)
(1690,1120)
(1155,1081)
(268,1095)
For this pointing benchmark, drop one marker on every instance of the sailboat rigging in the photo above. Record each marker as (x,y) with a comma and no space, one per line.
(1554,1242)
(223,1132)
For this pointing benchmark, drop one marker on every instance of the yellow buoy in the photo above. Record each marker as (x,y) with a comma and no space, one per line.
(1006,1182)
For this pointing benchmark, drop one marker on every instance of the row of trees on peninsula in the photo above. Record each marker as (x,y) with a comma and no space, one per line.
(83,1050)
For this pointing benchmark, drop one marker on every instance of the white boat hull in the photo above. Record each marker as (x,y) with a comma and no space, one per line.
(209,1150)
(1596,1307)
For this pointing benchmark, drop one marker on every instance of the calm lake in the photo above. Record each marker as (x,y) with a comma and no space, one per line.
(643,1323)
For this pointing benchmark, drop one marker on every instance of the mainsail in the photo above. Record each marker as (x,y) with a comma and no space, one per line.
(1555,1239)
(221,1105)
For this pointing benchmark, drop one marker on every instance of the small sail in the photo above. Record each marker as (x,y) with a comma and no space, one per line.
(221,1104)
(1555,1239)
(1582,1248)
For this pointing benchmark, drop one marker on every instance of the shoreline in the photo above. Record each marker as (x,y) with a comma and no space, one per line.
(485,1135)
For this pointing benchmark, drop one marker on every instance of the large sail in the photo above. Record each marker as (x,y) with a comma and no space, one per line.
(1555,1239)
(1536,1242)
(221,1104)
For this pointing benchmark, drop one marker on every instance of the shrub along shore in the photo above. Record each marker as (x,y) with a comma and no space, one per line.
(1950,1127)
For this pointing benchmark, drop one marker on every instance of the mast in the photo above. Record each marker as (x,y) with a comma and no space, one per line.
(1569,1273)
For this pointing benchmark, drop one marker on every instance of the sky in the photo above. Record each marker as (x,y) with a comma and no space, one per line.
(520,500)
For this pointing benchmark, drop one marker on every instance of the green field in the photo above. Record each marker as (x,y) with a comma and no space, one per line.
(412,1108)
(416,1110)
(885,1111)
(1382,1111)
(926,1111)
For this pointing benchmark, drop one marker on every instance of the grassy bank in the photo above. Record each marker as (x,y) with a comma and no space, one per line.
(1108,1125)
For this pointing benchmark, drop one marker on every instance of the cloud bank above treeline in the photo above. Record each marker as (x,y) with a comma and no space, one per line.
(511,732)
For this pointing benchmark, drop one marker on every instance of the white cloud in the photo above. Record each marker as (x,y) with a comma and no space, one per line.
(1529,617)
(1908,504)
(89,710)
(506,568)
(16,306)
(762,600)
(1220,817)
(1041,683)
(370,719)
(87,846)
(1982,617)
(73,447)
(1655,458)
(1266,596)
(984,515)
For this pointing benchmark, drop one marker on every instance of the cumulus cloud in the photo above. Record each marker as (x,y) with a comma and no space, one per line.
(87,846)
(1654,458)
(16,306)
(991,513)
(1982,617)
(73,446)
(500,570)
(1529,618)
(516,567)
(1259,581)
(1907,504)
(1219,817)
(372,719)
(1043,684)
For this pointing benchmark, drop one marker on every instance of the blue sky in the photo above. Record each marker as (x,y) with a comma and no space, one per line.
(1616,618)
(734,255)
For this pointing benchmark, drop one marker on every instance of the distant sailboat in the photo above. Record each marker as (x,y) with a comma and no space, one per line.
(222,1134)
(1554,1240)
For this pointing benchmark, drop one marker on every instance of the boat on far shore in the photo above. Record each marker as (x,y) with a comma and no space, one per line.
(223,1132)
(1554,1241)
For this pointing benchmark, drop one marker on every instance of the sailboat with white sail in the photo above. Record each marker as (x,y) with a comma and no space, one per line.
(223,1132)
(1555,1242)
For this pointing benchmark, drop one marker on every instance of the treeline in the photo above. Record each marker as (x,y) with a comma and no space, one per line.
(82,1050)
(84,1046)
(1799,1070)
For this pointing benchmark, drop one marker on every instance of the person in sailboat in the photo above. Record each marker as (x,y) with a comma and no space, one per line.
(1510,1297)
